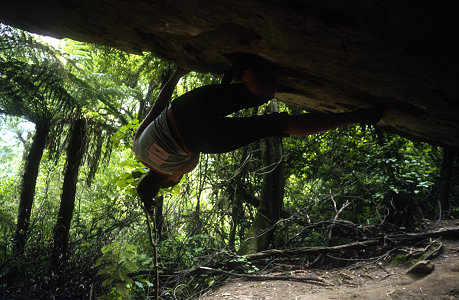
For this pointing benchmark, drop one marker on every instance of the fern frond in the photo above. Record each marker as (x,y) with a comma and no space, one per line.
(35,92)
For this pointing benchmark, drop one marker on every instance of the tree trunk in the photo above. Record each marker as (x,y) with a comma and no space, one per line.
(159,219)
(445,177)
(29,181)
(235,213)
(261,233)
(75,151)
(237,190)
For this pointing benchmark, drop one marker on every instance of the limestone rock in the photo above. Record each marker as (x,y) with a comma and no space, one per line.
(327,56)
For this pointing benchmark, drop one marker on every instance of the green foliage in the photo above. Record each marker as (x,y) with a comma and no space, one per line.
(32,79)
(379,170)
(183,251)
(242,261)
(129,179)
(125,133)
(23,46)
(8,209)
(118,262)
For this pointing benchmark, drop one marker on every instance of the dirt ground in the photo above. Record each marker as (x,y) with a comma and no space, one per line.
(371,282)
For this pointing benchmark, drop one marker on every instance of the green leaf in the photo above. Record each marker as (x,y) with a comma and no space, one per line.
(121,289)
(176,190)
(130,247)
(149,284)
(98,262)
(121,184)
(130,266)
(122,275)
(109,247)
(107,270)
(108,281)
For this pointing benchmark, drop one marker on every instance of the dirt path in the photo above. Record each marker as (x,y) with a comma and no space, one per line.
(373,282)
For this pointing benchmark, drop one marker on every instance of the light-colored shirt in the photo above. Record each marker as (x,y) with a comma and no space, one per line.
(157,148)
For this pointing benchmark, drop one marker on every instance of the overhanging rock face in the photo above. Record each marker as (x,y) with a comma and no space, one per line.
(328,56)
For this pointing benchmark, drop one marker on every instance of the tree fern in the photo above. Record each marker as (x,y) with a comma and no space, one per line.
(35,92)
(20,45)
(32,86)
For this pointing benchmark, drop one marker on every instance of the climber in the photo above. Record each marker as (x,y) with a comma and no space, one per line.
(171,137)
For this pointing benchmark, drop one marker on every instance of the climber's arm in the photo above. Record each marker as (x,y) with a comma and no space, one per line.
(162,101)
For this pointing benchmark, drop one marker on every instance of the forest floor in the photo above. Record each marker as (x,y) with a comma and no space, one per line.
(373,281)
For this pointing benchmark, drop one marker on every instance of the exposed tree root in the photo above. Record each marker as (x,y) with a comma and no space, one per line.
(396,238)
(309,279)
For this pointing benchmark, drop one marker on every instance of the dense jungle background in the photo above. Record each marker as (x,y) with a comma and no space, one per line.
(71,225)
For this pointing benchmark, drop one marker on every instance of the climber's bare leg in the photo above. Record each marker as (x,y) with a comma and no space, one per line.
(310,123)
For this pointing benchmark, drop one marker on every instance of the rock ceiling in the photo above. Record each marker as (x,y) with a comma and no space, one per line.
(328,56)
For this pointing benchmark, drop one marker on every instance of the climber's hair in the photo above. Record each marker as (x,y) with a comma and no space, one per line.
(148,188)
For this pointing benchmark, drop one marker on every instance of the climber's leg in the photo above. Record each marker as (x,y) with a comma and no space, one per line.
(226,134)
(310,123)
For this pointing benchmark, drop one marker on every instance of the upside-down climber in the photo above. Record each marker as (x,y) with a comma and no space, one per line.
(171,137)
